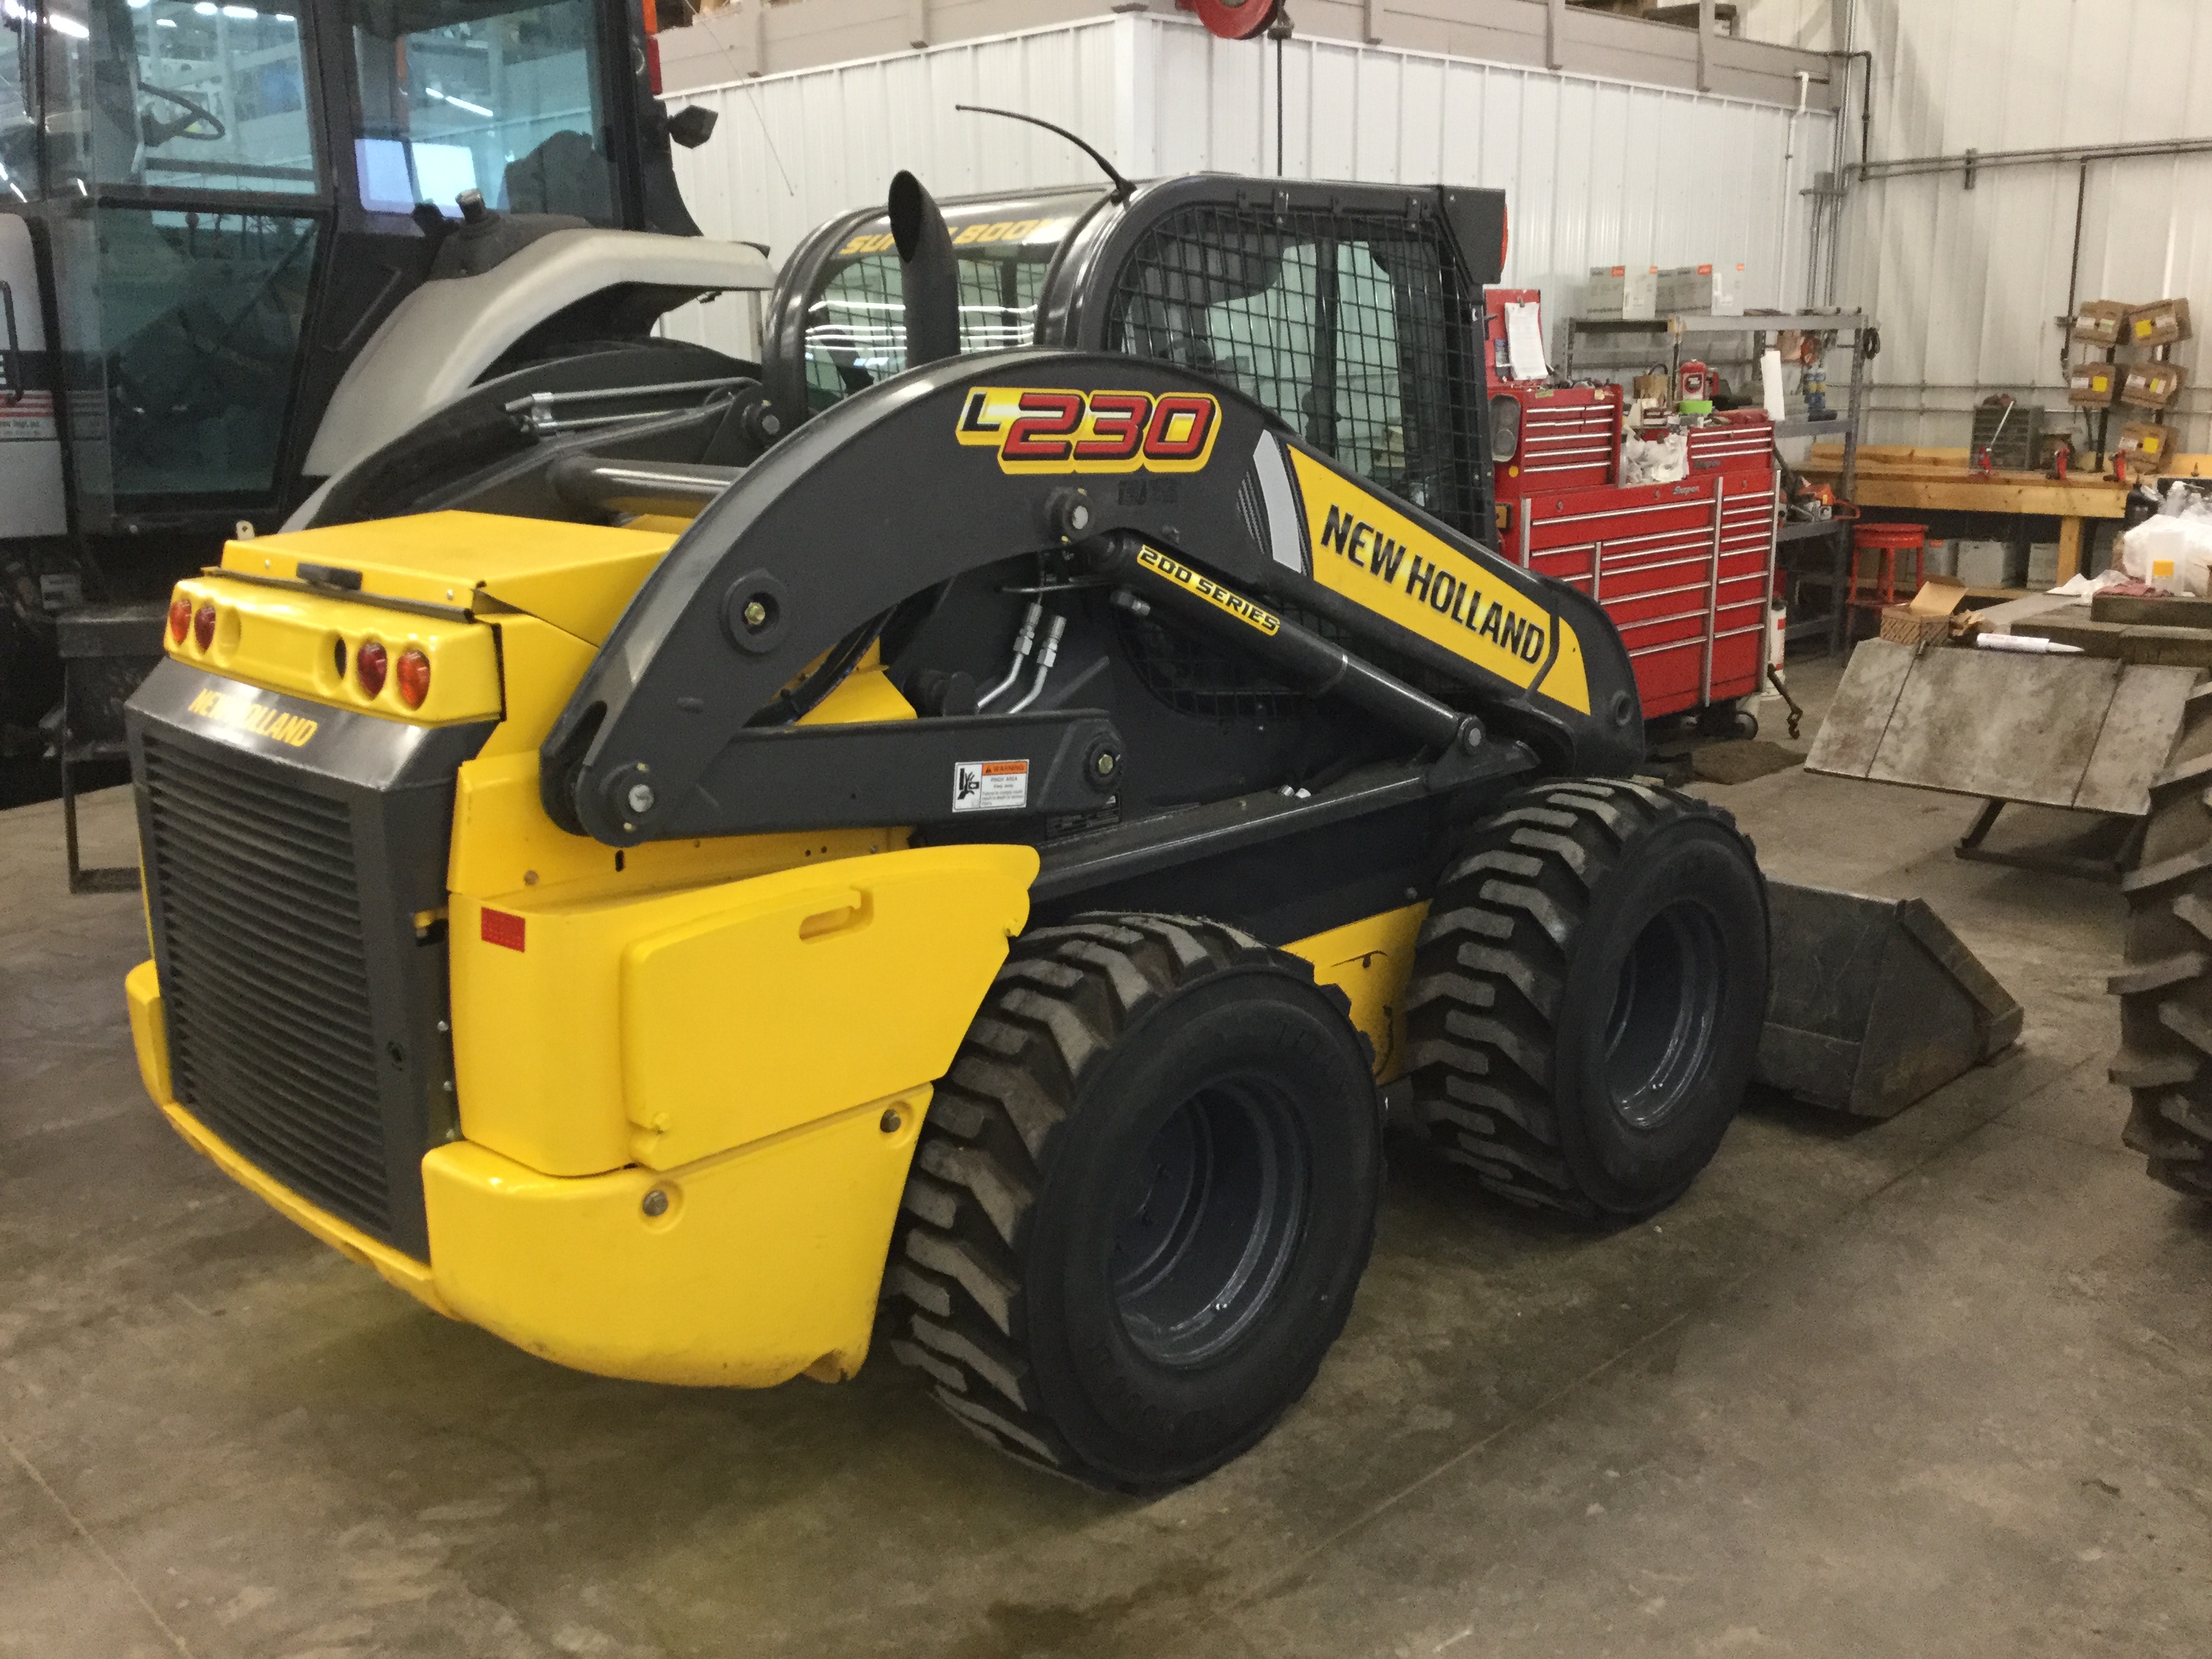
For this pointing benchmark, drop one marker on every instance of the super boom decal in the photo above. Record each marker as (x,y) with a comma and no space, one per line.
(1363,549)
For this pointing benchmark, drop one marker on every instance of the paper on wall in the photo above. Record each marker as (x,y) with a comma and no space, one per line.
(1770,382)
(1525,341)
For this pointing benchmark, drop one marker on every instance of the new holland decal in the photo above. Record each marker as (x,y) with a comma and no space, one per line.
(1367,552)
(1048,430)
(229,708)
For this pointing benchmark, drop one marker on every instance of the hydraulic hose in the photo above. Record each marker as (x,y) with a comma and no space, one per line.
(1023,640)
(1047,654)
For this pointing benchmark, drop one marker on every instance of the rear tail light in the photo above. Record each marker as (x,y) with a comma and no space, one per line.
(369,664)
(180,617)
(204,624)
(414,677)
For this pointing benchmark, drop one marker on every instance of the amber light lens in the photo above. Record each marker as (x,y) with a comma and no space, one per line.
(180,617)
(204,625)
(369,664)
(414,677)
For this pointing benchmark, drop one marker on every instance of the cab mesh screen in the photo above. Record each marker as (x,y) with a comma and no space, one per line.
(1335,321)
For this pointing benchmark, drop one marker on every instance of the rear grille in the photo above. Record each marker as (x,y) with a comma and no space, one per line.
(266,982)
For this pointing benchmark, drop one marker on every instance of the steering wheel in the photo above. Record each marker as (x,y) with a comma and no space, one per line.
(157,132)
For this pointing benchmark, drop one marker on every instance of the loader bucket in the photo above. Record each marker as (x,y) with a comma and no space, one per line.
(1873,1003)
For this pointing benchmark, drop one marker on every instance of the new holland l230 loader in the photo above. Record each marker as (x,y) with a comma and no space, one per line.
(956,844)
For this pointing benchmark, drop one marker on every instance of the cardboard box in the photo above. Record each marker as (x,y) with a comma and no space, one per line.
(1933,617)
(1716,289)
(1617,291)
(2103,322)
(2092,385)
(1981,564)
(2161,322)
(2152,385)
(2145,447)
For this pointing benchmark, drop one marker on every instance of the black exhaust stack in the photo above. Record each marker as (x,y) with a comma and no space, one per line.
(929,276)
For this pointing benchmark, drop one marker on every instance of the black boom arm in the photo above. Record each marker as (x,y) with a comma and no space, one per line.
(965,463)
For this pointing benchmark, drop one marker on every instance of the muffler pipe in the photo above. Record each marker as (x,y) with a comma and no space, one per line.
(929,275)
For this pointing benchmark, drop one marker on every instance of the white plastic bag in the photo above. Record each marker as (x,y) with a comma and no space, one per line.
(2172,551)
(1663,459)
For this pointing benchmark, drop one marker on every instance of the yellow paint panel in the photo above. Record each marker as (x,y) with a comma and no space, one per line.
(539,1032)
(286,640)
(1370,960)
(577,576)
(765,1264)
(539,667)
(1370,553)
(820,987)
(149,1030)
(866,695)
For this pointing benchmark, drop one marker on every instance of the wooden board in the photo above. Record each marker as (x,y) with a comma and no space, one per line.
(2185,647)
(2158,609)
(2084,732)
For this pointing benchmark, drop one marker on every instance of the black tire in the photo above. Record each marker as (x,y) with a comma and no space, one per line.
(1588,994)
(2166,992)
(1141,1200)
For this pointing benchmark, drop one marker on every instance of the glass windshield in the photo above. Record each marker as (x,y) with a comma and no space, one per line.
(501,98)
(182,94)
(187,331)
(855,324)
(19,167)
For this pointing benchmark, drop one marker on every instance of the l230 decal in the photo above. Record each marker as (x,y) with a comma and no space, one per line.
(1050,429)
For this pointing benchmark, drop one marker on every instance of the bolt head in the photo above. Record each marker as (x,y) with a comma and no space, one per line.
(1079,516)
(655,1203)
(891,1120)
(770,422)
(756,613)
(1105,764)
(640,798)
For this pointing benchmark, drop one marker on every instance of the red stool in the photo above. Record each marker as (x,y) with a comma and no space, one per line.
(1886,542)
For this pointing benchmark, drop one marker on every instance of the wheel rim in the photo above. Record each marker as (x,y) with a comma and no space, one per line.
(1659,1036)
(1207,1222)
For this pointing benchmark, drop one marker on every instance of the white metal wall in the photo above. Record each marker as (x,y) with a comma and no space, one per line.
(1595,173)
(1966,284)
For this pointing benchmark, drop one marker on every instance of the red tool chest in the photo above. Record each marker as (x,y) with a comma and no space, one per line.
(1684,570)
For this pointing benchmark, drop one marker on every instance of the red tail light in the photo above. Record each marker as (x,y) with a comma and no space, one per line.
(414,677)
(651,10)
(369,664)
(204,625)
(180,617)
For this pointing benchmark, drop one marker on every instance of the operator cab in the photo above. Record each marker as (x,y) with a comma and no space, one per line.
(231,198)
(1350,311)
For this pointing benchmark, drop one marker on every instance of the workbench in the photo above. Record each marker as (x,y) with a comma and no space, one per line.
(1940,481)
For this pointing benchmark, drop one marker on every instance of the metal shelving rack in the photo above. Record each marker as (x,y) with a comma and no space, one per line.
(1757,326)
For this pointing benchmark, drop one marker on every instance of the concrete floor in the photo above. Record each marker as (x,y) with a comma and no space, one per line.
(1933,1386)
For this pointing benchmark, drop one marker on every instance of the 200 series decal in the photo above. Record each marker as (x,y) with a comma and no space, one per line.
(1049,429)
(1224,598)
(229,708)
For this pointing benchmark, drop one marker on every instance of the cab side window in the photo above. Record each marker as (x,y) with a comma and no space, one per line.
(1336,322)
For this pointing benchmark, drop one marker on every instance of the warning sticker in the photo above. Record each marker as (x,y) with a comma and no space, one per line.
(1000,785)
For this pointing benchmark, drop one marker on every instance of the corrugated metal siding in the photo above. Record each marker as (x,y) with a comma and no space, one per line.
(1595,173)
(1966,284)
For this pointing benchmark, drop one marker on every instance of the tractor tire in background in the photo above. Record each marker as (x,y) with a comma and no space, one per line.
(1141,1199)
(1588,994)
(2166,990)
